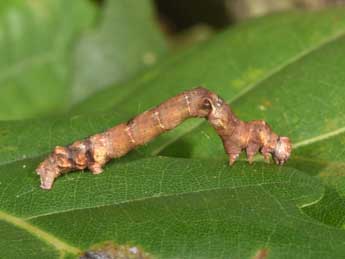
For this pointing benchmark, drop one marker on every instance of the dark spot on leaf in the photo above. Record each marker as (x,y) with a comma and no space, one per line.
(109,250)
(3,132)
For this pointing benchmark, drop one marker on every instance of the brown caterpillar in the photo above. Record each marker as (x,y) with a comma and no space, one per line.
(95,151)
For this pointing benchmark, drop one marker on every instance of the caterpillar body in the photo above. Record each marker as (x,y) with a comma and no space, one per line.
(95,151)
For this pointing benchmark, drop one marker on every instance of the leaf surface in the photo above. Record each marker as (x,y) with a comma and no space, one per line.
(189,203)
(35,48)
(164,204)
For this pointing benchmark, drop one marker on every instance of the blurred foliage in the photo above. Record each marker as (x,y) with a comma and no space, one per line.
(125,41)
(45,65)
(55,53)
(36,39)
(179,14)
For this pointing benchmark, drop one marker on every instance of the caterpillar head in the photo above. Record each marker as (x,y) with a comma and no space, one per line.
(53,166)
(282,150)
(47,171)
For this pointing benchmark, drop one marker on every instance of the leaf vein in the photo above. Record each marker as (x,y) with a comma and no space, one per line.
(158,196)
(60,245)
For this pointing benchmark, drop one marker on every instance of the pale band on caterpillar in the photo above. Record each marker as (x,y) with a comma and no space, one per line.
(95,151)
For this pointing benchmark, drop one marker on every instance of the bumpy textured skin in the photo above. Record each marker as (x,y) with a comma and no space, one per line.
(95,151)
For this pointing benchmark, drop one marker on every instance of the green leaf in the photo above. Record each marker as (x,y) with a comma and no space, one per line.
(231,64)
(35,45)
(125,42)
(51,57)
(172,207)
(197,206)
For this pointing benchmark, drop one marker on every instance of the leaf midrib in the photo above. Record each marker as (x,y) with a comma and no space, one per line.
(180,193)
(167,195)
(62,247)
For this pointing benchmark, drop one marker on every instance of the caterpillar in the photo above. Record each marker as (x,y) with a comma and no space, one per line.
(95,151)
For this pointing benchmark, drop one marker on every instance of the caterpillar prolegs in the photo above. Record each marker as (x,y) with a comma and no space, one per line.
(95,151)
